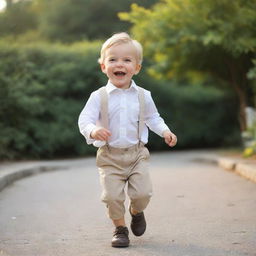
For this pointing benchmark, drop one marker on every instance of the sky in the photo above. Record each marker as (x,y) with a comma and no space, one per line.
(2,4)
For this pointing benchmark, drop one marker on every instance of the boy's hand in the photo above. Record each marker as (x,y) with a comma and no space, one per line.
(100,133)
(170,138)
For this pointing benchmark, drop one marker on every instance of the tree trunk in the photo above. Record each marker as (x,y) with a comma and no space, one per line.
(9,4)
(242,107)
(238,81)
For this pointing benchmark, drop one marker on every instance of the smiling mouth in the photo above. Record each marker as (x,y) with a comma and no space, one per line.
(119,73)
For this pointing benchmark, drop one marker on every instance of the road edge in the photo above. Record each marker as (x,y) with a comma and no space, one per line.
(238,166)
(11,177)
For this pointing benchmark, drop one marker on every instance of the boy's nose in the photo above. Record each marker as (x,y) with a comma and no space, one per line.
(119,63)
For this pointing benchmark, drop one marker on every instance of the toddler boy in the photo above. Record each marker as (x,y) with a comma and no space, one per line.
(115,119)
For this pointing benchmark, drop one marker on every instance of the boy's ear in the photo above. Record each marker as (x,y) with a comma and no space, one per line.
(138,68)
(103,68)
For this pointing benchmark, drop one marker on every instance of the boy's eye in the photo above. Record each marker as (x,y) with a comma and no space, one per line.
(112,59)
(127,60)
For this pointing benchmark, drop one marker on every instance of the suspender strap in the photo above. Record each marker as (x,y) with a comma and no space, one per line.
(104,109)
(141,113)
(104,106)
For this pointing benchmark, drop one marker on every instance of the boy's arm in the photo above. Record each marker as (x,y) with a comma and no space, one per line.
(156,123)
(89,116)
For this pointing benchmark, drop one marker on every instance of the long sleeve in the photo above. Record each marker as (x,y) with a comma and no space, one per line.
(89,116)
(152,117)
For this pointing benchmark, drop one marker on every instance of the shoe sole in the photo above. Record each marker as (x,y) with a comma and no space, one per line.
(138,234)
(120,245)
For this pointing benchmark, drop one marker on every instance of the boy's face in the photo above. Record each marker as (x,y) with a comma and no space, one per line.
(120,64)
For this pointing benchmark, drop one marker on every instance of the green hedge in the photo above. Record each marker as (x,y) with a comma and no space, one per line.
(44,87)
(201,117)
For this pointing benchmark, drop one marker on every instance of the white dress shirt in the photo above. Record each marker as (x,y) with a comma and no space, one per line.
(123,112)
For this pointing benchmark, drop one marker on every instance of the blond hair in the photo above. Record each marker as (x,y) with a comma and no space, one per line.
(121,38)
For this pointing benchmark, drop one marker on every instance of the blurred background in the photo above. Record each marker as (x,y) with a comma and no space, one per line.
(200,64)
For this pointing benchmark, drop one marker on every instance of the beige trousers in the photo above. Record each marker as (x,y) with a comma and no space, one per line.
(118,167)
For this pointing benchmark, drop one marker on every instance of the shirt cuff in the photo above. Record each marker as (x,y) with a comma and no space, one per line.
(161,129)
(87,133)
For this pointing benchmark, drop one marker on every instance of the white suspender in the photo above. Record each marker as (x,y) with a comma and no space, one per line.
(104,109)
(104,106)
(142,111)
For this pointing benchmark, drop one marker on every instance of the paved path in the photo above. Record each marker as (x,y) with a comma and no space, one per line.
(197,210)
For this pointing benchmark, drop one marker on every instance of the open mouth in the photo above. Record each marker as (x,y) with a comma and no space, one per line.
(119,73)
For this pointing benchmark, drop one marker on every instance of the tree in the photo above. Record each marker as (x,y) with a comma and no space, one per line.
(9,3)
(67,20)
(213,38)
(17,18)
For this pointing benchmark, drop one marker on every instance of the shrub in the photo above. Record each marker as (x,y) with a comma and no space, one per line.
(200,116)
(44,87)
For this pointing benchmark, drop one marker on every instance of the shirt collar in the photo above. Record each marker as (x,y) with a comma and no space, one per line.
(110,87)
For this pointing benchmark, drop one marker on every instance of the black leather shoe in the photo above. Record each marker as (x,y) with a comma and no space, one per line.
(138,223)
(120,237)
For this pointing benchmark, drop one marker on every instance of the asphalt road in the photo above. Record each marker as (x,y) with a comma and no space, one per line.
(197,210)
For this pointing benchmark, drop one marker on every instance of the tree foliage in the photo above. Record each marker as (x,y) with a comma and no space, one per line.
(17,19)
(213,38)
(66,20)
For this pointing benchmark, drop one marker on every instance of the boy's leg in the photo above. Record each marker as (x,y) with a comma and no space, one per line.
(139,191)
(119,222)
(114,196)
(139,182)
(113,183)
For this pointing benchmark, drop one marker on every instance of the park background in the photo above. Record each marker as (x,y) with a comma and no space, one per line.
(199,64)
